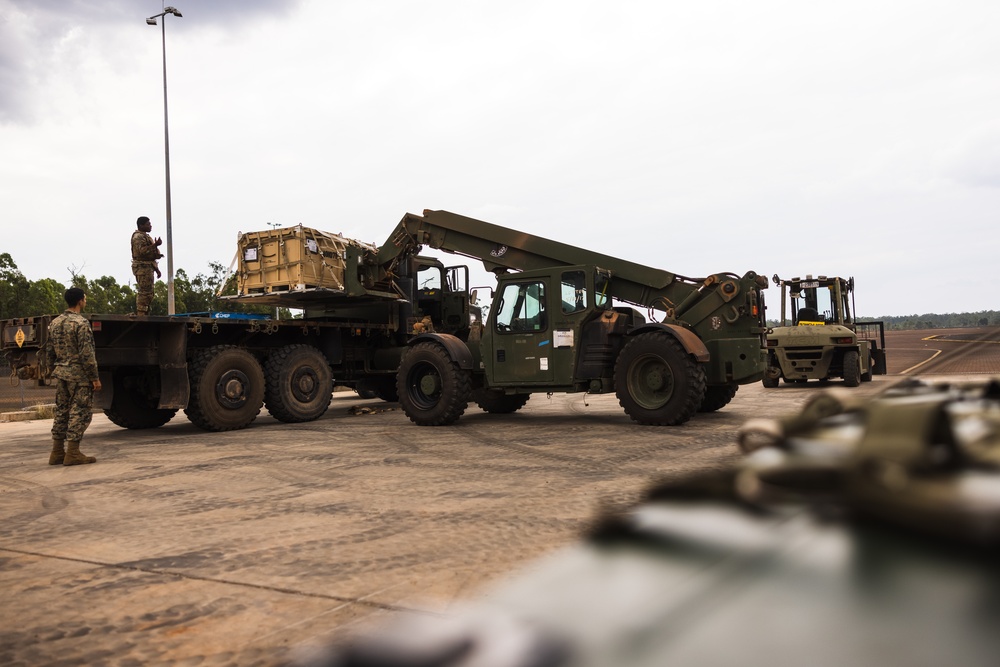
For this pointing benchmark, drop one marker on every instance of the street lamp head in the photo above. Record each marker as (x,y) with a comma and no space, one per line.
(172,10)
(151,20)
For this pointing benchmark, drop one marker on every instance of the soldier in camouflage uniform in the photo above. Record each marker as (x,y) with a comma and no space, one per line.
(69,353)
(145,252)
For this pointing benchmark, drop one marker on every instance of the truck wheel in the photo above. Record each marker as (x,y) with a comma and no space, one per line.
(298,384)
(769,381)
(499,403)
(718,397)
(131,405)
(852,368)
(867,375)
(227,388)
(433,390)
(657,382)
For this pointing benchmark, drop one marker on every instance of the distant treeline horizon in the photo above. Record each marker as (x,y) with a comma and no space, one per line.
(983,318)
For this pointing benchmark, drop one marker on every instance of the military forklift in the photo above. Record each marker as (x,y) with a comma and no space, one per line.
(562,320)
(819,338)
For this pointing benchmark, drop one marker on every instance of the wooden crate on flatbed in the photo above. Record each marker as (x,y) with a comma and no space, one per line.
(291,259)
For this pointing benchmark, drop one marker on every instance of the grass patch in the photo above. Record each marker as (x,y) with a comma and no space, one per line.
(44,410)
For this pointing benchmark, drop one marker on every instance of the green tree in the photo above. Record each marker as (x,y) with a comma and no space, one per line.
(105,295)
(13,288)
(45,297)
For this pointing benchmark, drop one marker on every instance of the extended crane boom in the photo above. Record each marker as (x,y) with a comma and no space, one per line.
(502,249)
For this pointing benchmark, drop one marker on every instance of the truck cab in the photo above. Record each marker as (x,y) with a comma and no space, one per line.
(554,328)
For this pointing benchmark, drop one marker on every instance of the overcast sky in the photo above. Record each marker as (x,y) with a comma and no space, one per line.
(850,138)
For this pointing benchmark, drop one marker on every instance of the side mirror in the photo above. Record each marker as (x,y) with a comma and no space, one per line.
(776,279)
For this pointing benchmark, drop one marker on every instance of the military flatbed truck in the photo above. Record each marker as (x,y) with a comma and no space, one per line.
(562,321)
(222,368)
(818,337)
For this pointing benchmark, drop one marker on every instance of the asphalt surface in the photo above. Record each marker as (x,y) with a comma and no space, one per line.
(185,547)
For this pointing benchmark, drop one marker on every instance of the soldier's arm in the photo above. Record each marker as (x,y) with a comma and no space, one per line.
(47,354)
(144,249)
(88,356)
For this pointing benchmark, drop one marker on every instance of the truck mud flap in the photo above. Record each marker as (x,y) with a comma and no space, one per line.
(174,388)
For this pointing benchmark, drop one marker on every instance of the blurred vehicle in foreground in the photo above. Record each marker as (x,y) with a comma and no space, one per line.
(856,532)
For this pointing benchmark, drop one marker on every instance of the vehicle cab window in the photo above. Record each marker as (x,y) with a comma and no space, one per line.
(574,291)
(429,278)
(521,307)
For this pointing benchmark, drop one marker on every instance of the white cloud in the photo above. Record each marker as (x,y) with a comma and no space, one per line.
(776,137)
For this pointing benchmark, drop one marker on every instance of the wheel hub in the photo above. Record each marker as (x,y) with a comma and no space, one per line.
(231,390)
(430,385)
(655,380)
(651,382)
(304,384)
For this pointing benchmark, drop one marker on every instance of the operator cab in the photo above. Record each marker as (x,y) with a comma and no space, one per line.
(818,301)
(443,295)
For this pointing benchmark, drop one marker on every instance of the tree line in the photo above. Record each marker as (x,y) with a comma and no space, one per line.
(983,318)
(20,297)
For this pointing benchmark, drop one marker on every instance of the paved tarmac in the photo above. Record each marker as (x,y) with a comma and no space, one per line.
(181,547)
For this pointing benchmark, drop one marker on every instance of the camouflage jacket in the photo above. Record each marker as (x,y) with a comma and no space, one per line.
(144,250)
(69,351)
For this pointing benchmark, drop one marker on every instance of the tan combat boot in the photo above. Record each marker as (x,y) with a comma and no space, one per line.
(74,457)
(58,453)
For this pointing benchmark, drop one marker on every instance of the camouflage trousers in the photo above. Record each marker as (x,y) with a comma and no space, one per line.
(144,288)
(74,410)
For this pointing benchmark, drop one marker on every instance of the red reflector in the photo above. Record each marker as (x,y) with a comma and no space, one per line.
(754,311)
(843,340)
(96,326)
(772,342)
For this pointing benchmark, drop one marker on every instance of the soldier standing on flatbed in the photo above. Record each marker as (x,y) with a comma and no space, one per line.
(69,353)
(145,252)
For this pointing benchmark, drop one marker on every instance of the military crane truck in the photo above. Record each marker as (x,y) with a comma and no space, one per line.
(818,337)
(221,369)
(559,323)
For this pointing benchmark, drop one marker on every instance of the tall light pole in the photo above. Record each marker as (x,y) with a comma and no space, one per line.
(166,154)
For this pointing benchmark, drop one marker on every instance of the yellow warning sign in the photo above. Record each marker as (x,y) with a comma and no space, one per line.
(19,337)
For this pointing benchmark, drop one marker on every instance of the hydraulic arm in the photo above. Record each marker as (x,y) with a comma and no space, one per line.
(501,249)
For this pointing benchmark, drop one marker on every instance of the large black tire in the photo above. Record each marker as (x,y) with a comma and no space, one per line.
(769,382)
(718,397)
(498,403)
(656,382)
(852,368)
(866,376)
(132,406)
(433,390)
(227,388)
(298,384)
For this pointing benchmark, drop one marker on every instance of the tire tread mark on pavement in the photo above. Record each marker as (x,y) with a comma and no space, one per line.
(214,580)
